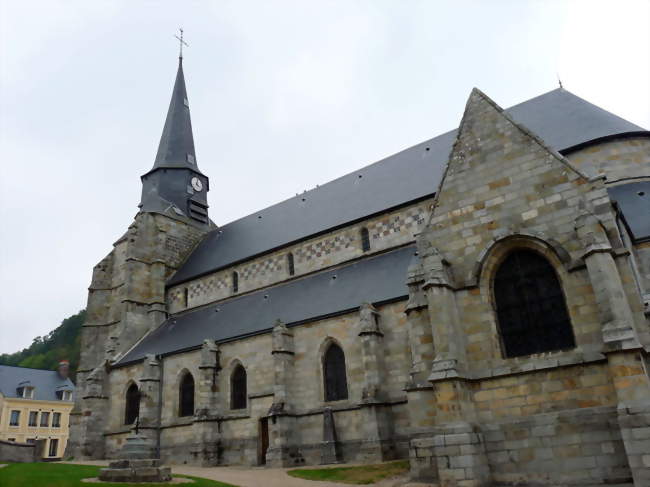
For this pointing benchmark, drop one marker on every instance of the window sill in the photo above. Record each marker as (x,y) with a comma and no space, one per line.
(531,363)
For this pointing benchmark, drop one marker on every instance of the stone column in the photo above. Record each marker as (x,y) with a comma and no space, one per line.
(458,445)
(207,414)
(282,451)
(376,445)
(149,419)
(625,354)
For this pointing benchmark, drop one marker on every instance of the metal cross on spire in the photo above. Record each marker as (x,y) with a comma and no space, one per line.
(181,43)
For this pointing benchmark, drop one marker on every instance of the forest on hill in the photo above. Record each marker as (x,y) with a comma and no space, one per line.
(45,352)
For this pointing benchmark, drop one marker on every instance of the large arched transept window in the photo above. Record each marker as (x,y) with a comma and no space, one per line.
(238,394)
(531,311)
(336,383)
(186,396)
(132,406)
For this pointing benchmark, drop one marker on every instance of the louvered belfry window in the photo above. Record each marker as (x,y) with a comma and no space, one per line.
(238,394)
(186,396)
(336,383)
(531,310)
(132,409)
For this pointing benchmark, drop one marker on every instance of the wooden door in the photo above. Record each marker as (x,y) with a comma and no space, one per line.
(263,440)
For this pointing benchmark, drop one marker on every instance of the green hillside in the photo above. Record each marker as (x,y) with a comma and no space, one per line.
(45,352)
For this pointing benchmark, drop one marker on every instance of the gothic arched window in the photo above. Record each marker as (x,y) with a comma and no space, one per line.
(186,396)
(531,311)
(238,395)
(132,407)
(336,383)
(365,239)
(235,282)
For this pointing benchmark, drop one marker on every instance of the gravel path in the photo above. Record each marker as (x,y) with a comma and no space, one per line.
(258,476)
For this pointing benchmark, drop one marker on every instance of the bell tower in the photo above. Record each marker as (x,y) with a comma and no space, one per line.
(175,186)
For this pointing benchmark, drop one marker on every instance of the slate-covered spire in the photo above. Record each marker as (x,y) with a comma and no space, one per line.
(176,147)
(174,186)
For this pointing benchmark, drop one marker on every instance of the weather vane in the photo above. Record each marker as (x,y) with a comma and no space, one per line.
(181,43)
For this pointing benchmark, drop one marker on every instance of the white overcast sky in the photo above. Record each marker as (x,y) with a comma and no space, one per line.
(284,95)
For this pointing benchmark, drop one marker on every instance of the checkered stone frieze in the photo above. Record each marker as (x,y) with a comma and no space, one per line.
(411,219)
(205,287)
(263,267)
(324,247)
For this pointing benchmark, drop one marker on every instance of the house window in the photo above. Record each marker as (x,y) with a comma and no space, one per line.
(186,396)
(14,420)
(238,393)
(54,447)
(56,420)
(530,306)
(235,282)
(290,264)
(336,384)
(33,418)
(45,420)
(11,439)
(132,406)
(30,441)
(186,297)
(365,239)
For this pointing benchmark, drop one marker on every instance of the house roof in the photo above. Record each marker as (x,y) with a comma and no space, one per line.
(374,279)
(44,382)
(559,117)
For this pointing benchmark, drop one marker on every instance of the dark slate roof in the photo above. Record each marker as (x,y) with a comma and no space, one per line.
(44,382)
(560,118)
(176,148)
(375,279)
(634,201)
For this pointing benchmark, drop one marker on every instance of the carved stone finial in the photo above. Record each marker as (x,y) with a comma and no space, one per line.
(435,267)
(209,354)
(591,232)
(369,320)
(282,338)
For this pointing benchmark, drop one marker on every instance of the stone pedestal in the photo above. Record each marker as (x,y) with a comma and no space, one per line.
(136,463)
(145,470)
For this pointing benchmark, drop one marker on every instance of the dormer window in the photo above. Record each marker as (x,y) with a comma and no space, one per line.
(26,392)
(64,395)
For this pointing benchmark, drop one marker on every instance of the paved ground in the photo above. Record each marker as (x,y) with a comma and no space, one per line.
(258,476)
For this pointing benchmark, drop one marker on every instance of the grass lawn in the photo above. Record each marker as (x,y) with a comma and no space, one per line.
(66,475)
(365,474)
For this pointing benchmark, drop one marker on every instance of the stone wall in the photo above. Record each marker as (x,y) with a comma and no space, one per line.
(232,436)
(617,160)
(12,452)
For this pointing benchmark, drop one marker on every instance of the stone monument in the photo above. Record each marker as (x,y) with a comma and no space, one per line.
(136,462)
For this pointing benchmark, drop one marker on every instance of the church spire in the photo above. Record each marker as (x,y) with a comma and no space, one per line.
(176,148)
(175,186)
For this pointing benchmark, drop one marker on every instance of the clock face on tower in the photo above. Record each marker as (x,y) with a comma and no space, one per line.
(197,184)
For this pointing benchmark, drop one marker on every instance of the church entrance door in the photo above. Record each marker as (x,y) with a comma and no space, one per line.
(263,440)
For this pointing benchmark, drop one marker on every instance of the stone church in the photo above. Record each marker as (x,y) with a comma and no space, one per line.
(477,303)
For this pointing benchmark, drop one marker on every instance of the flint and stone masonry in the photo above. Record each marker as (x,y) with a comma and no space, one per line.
(424,367)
